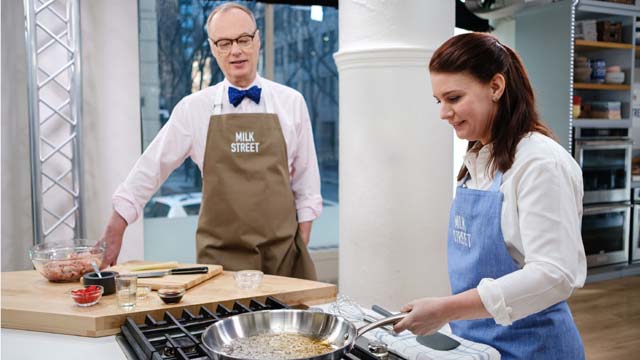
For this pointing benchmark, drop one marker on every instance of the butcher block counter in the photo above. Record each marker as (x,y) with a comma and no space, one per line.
(31,302)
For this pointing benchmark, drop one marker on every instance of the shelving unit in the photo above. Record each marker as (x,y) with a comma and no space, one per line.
(622,54)
(586,44)
(613,53)
(594,86)
(610,6)
(602,123)
(551,71)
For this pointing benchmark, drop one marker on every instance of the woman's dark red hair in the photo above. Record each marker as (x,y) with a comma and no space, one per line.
(483,56)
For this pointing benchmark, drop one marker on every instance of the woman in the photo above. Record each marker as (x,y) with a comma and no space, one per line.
(515,251)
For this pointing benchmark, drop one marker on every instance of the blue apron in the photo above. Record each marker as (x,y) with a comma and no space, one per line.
(476,250)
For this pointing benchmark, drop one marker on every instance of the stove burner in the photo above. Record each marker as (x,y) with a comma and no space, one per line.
(379,349)
(180,338)
(186,344)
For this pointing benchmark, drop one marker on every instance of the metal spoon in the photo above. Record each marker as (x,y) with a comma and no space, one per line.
(96,268)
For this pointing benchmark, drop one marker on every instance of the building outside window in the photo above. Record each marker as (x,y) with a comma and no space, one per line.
(279,56)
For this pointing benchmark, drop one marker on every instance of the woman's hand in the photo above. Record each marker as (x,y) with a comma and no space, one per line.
(426,316)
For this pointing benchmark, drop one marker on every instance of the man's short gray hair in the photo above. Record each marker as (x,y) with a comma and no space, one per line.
(226,7)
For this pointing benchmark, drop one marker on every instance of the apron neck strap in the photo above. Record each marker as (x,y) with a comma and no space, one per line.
(465,179)
(217,100)
(497,181)
(218,96)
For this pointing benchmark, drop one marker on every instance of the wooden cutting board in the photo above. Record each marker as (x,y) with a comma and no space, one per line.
(187,280)
(31,302)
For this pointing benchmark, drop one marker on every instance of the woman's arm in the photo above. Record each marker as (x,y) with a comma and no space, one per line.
(549,200)
(548,195)
(427,315)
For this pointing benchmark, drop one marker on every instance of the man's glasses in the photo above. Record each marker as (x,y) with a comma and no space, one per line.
(244,41)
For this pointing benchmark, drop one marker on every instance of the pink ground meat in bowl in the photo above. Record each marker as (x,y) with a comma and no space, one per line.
(66,261)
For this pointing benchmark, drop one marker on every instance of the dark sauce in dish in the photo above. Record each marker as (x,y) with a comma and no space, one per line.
(170,296)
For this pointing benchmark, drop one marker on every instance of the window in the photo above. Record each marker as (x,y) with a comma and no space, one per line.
(186,9)
(279,56)
(292,52)
(328,42)
(187,23)
(308,52)
(312,71)
(156,209)
(192,209)
(181,58)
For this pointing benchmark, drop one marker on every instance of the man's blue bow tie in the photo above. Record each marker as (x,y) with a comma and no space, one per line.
(236,96)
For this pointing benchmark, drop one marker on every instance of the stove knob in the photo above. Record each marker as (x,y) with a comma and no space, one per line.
(378,349)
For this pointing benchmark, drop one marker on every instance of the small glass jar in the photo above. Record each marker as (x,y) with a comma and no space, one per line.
(248,279)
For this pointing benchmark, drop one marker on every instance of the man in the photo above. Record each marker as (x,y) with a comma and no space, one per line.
(252,140)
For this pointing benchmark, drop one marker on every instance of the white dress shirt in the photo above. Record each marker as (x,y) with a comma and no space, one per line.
(541,218)
(185,135)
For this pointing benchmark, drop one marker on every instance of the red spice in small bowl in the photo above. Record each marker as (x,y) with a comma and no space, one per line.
(88,295)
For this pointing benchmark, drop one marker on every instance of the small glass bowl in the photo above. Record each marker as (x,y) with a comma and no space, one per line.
(87,296)
(171,294)
(142,292)
(248,279)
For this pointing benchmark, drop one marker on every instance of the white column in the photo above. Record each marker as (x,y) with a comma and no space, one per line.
(395,152)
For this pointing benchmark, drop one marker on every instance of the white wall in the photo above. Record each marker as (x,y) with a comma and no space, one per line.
(111,120)
(505,31)
(16,232)
(111,110)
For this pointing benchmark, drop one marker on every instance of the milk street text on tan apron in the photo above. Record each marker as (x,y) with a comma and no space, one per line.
(248,214)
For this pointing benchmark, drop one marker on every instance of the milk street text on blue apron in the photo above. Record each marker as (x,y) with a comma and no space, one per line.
(476,250)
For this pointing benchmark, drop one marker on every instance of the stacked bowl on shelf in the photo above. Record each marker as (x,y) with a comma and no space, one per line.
(582,69)
(614,75)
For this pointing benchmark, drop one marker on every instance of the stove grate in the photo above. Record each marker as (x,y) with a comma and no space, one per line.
(175,338)
(179,338)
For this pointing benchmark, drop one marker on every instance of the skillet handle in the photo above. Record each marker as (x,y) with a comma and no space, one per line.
(382,322)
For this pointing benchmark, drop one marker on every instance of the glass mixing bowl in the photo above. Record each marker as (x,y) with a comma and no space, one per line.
(66,261)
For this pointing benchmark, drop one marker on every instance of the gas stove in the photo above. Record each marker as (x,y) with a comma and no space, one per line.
(180,338)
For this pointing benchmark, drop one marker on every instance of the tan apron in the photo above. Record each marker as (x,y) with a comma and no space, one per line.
(248,214)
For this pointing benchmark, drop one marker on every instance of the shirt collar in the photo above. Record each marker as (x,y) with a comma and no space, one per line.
(257,82)
(477,160)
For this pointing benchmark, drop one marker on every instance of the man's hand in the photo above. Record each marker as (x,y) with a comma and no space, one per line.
(304,228)
(112,237)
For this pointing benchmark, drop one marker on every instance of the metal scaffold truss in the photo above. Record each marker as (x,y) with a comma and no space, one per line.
(55,100)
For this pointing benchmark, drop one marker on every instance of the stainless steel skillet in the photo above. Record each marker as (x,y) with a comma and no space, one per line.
(335,330)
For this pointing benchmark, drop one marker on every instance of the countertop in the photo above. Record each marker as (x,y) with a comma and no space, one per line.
(22,306)
(22,292)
